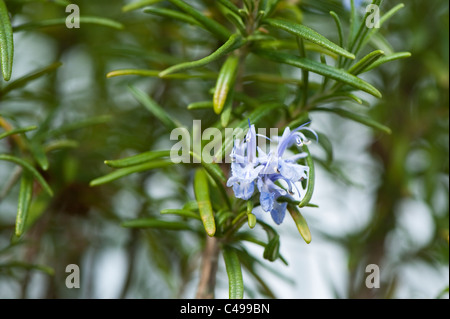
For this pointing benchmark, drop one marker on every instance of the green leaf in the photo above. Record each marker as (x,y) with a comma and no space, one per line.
(365,62)
(355,117)
(319,68)
(225,116)
(155,73)
(130,170)
(23,206)
(62,21)
(200,105)
(201,190)
(181,212)
(155,223)
(30,168)
(209,24)
(215,172)
(308,34)
(268,7)
(171,14)
(138,4)
(251,219)
(272,249)
(339,27)
(225,83)
(217,175)
(38,152)
(22,81)
(17,131)
(6,42)
(300,222)
(234,42)
(311,178)
(236,21)
(356,41)
(229,5)
(234,272)
(385,59)
(59,144)
(137,159)
(154,108)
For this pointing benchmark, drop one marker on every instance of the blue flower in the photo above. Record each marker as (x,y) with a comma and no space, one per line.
(274,174)
(244,166)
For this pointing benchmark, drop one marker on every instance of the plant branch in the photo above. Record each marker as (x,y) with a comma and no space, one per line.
(207,283)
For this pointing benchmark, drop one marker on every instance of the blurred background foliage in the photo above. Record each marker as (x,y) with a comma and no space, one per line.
(83,118)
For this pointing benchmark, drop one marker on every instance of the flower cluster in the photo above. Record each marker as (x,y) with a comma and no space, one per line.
(252,168)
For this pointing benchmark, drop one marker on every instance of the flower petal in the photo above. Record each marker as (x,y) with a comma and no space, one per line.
(266,200)
(293,172)
(278,212)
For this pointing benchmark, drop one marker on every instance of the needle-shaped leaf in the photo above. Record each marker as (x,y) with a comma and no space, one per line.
(268,7)
(217,175)
(17,131)
(171,14)
(339,27)
(225,83)
(6,42)
(234,272)
(155,223)
(59,144)
(155,73)
(300,222)
(138,4)
(385,59)
(130,170)
(23,206)
(308,34)
(215,172)
(24,80)
(38,152)
(62,21)
(137,159)
(365,62)
(233,43)
(319,68)
(251,219)
(200,105)
(154,108)
(355,117)
(272,249)
(356,40)
(209,24)
(311,178)
(30,168)
(229,5)
(201,190)
(181,212)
